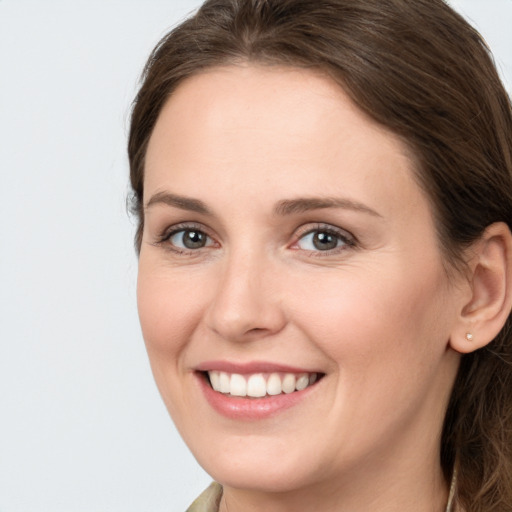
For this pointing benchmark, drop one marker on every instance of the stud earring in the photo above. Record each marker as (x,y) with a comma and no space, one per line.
(469,336)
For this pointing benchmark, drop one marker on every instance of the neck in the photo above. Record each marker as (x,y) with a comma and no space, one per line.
(410,486)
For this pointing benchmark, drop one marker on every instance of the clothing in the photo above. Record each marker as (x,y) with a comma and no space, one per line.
(209,500)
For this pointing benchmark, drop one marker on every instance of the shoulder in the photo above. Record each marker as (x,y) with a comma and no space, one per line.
(209,499)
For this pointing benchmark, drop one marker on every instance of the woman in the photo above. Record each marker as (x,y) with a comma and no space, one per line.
(324,195)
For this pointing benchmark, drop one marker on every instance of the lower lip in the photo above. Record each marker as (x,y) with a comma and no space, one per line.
(244,408)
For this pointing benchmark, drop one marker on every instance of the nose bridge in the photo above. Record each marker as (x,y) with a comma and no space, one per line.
(245,302)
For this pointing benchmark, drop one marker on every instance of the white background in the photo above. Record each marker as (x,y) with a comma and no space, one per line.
(82,427)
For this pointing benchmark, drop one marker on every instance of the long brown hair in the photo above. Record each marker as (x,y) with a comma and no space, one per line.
(419,69)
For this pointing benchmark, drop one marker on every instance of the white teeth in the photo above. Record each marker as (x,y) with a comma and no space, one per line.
(274,384)
(215,380)
(238,385)
(256,386)
(302,382)
(259,385)
(289,383)
(224,383)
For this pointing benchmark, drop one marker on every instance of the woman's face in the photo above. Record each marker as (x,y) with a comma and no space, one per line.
(286,240)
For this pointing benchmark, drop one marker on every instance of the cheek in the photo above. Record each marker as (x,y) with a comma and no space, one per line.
(169,310)
(386,341)
(365,320)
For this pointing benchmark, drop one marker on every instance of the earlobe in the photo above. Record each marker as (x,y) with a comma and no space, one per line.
(490,298)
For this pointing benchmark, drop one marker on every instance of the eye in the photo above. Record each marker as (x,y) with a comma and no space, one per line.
(189,239)
(323,239)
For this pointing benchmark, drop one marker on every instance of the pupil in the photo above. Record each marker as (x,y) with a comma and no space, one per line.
(194,239)
(324,241)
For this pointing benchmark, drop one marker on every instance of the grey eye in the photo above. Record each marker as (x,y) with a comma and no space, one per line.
(190,239)
(321,241)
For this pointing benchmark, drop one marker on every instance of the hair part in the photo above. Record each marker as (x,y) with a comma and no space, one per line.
(419,69)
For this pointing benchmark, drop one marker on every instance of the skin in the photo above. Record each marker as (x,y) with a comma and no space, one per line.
(375,314)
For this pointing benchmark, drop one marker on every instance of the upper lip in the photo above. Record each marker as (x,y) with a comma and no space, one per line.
(250,367)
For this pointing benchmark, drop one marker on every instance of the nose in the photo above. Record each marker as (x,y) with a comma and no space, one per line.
(246,303)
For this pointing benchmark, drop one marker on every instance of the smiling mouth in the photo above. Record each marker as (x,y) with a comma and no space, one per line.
(259,385)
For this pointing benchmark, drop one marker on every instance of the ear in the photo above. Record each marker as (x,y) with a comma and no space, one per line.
(489,300)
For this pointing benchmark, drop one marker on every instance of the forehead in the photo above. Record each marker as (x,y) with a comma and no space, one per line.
(252,125)
(252,97)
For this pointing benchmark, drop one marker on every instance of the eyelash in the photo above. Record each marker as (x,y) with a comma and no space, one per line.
(347,239)
(165,237)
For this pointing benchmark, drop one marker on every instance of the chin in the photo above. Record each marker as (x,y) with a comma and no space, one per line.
(260,476)
(259,464)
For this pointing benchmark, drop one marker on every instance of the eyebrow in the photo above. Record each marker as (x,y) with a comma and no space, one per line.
(282,208)
(305,204)
(181,202)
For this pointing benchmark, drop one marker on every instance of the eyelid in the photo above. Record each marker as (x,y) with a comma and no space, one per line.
(322,226)
(181,226)
(164,237)
(349,239)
